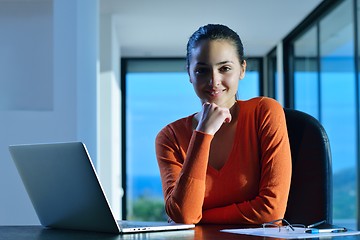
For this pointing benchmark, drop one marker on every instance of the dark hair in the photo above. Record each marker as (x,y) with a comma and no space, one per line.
(214,32)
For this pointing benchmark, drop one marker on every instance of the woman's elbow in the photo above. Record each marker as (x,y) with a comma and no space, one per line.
(183,213)
(187,220)
(184,217)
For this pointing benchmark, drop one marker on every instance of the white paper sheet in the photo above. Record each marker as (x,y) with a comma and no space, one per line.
(298,233)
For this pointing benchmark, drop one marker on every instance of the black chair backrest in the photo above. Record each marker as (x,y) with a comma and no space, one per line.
(310,198)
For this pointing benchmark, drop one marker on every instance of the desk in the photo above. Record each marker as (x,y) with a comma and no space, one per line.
(201,232)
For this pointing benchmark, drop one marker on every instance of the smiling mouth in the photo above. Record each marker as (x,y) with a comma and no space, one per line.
(215,93)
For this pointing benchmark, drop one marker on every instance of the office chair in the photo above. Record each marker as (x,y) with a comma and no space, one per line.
(310,198)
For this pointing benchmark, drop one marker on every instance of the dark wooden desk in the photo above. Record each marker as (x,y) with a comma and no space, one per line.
(208,232)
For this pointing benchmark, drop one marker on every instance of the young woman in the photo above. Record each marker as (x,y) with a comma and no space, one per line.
(230,163)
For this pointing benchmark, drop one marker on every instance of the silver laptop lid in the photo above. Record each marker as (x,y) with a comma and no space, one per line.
(63,186)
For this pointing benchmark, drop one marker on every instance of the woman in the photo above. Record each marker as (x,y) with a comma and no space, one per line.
(229,163)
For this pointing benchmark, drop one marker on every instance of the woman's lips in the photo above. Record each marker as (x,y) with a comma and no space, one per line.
(215,92)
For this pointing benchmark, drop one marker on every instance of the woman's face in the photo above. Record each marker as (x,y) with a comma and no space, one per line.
(215,71)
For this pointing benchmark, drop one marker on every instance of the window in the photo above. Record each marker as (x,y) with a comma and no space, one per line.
(272,74)
(157,92)
(306,80)
(338,108)
(325,86)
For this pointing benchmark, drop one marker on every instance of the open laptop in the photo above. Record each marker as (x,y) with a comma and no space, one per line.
(66,193)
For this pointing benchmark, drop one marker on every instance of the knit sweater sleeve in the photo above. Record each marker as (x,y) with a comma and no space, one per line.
(183,174)
(275,177)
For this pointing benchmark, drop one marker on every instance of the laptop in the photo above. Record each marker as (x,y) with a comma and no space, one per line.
(66,193)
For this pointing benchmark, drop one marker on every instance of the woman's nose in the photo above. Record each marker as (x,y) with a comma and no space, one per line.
(215,79)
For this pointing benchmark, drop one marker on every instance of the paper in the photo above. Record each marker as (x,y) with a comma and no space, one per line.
(298,233)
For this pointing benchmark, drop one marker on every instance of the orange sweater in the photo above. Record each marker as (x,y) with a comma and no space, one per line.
(253,185)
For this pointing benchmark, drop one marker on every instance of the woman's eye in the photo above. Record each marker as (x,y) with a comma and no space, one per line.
(225,69)
(200,71)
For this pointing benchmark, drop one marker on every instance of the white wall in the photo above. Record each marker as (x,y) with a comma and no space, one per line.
(48,62)
(109,103)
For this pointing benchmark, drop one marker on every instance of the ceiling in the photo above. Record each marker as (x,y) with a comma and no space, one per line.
(161,28)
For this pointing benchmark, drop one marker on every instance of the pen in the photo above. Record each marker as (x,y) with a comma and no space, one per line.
(316,224)
(334,230)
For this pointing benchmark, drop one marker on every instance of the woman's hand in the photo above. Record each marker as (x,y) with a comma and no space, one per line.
(211,117)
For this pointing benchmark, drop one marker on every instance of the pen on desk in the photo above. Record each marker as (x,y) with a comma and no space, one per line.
(315,231)
(316,224)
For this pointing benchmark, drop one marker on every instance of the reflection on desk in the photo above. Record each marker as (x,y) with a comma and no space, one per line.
(201,232)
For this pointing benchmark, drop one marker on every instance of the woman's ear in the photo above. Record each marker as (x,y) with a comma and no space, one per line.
(243,69)
(188,72)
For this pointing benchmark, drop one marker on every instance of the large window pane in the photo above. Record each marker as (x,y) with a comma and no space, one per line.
(153,100)
(325,87)
(157,93)
(306,87)
(338,107)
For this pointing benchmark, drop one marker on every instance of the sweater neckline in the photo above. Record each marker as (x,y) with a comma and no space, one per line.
(231,157)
